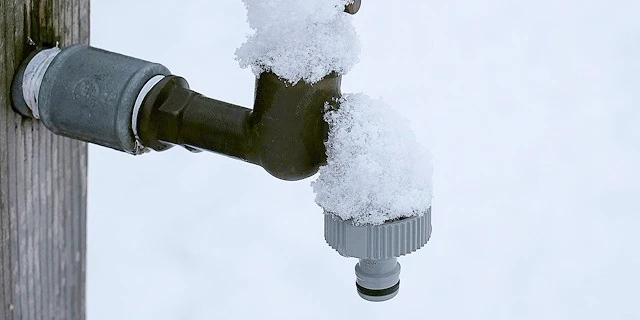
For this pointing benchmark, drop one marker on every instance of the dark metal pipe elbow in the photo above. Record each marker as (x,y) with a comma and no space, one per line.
(288,127)
(284,133)
(125,103)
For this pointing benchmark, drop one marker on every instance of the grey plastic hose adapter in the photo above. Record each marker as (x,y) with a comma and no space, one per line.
(377,247)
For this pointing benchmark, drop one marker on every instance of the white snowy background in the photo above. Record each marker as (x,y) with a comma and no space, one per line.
(531,108)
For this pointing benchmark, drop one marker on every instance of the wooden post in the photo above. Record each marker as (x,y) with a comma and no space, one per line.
(43,183)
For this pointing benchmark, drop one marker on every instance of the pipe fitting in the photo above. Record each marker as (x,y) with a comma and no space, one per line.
(84,93)
(284,133)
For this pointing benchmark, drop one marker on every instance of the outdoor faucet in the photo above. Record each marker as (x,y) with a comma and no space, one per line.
(132,105)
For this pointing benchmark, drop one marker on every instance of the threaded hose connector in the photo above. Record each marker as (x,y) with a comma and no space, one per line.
(377,247)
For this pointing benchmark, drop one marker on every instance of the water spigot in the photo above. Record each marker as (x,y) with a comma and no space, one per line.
(284,132)
(134,106)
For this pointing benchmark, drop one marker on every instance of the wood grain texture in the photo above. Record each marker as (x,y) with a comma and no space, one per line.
(43,183)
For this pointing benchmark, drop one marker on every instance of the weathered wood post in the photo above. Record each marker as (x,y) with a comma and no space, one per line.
(43,183)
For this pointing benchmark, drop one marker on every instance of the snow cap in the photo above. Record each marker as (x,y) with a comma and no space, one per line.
(299,40)
(376,171)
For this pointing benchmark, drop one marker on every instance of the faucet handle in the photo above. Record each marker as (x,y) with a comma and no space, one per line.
(352,7)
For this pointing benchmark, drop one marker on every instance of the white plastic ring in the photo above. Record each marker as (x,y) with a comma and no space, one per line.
(136,108)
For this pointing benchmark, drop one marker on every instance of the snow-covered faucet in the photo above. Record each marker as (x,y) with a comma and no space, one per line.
(134,106)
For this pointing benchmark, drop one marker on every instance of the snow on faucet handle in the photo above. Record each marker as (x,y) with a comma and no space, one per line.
(299,40)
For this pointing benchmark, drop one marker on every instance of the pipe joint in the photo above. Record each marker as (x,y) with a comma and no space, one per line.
(84,93)
(284,133)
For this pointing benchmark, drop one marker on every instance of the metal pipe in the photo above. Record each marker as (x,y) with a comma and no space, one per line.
(284,133)
(171,114)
